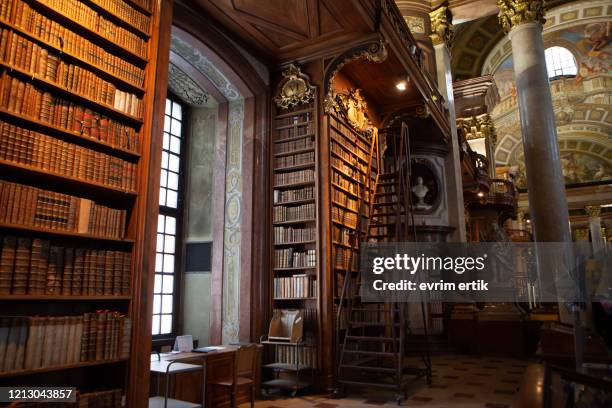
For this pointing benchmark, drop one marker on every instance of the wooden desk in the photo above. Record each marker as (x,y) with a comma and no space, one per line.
(188,386)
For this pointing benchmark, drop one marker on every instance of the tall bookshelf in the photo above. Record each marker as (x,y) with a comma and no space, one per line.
(77,79)
(295,220)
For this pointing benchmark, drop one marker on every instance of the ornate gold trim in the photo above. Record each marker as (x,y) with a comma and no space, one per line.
(374,52)
(478,127)
(442,29)
(593,210)
(353,107)
(296,90)
(515,12)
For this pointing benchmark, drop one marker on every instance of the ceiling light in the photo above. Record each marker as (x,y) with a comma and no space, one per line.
(480,194)
(402,85)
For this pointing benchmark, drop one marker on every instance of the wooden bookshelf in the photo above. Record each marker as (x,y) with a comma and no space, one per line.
(295,276)
(101,138)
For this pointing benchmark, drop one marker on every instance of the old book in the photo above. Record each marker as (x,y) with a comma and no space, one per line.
(7,262)
(78,271)
(35,343)
(21,343)
(68,271)
(22,266)
(83,217)
(78,335)
(11,344)
(54,271)
(85,337)
(5,325)
(109,258)
(101,318)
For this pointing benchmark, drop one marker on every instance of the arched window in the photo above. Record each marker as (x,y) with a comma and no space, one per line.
(560,62)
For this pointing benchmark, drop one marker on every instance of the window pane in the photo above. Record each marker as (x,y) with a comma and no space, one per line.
(163,177)
(175,145)
(160,223)
(158,283)
(168,286)
(170,225)
(169,263)
(168,106)
(156,303)
(175,127)
(172,199)
(166,144)
(177,111)
(167,124)
(160,243)
(167,304)
(159,262)
(162,196)
(560,61)
(164,161)
(169,244)
(173,165)
(166,324)
(173,181)
(155,328)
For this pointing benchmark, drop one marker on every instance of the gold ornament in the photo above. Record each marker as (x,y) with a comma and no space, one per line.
(516,12)
(296,90)
(442,29)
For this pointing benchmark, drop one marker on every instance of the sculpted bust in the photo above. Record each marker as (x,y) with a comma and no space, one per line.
(420,191)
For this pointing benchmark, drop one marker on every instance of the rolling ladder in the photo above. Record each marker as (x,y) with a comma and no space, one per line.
(373,346)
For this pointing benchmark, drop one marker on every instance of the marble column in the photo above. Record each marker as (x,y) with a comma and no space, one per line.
(597,239)
(548,210)
(442,31)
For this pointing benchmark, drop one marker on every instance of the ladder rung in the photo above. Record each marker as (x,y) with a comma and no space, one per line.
(373,353)
(365,368)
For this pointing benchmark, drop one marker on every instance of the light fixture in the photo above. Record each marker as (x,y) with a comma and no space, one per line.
(528,221)
(480,194)
(402,85)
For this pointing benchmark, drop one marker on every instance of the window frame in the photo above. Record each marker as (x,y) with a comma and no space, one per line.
(560,75)
(179,214)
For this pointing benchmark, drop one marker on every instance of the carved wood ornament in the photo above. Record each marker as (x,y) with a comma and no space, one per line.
(295,90)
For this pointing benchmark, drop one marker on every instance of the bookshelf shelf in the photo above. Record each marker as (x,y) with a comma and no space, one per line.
(59,233)
(55,88)
(293,125)
(295,221)
(296,298)
(140,8)
(289,139)
(70,183)
(98,70)
(295,167)
(295,268)
(295,243)
(295,202)
(293,185)
(92,298)
(60,368)
(68,135)
(292,152)
(89,33)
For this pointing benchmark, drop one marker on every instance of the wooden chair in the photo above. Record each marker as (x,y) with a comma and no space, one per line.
(243,375)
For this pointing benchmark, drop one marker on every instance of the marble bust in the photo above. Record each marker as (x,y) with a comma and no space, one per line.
(420,191)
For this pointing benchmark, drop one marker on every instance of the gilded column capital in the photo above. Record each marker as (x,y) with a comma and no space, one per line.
(593,210)
(442,29)
(515,12)
(478,127)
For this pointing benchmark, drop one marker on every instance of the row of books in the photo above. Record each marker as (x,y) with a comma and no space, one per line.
(32,342)
(344,257)
(145,4)
(304,357)
(287,235)
(291,258)
(296,213)
(349,291)
(36,266)
(345,183)
(347,154)
(341,198)
(308,129)
(294,119)
(53,155)
(298,144)
(50,32)
(342,235)
(347,134)
(30,206)
(342,166)
(301,176)
(19,52)
(29,101)
(294,160)
(299,194)
(96,399)
(346,218)
(86,16)
(296,286)
(127,13)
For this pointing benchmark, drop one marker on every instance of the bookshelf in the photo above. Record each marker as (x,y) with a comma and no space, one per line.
(295,227)
(77,92)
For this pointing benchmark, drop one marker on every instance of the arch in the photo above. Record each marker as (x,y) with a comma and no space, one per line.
(560,62)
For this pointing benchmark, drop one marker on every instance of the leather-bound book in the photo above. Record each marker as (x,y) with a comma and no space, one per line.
(68,271)
(78,272)
(7,263)
(22,266)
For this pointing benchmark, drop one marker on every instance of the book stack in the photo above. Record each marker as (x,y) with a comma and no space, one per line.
(42,152)
(18,52)
(125,12)
(31,206)
(300,212)
(292,258)
(346,218)
(296,286)
(50,32)
(341,198)
(35,266)
(299,144)
(343,257)
(285,196)
(32,342)
(294,160)
(294,177)
(302,356)
(341,235)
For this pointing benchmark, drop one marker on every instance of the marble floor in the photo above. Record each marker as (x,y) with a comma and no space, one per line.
(459,381)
